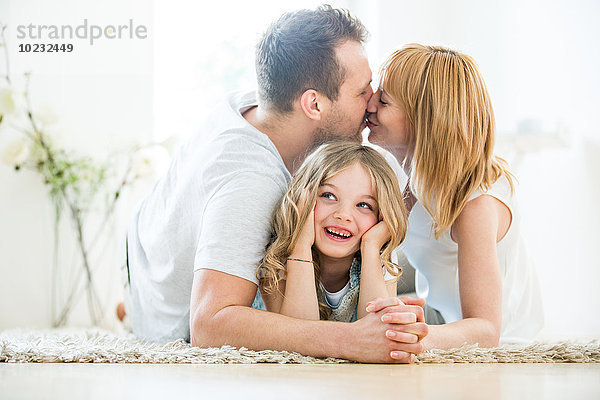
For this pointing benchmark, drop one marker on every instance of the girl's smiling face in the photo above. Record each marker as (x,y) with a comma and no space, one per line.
(345,209)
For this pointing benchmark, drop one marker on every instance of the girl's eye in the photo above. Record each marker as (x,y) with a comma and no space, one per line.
(328,195)
(365,205)
(382,102)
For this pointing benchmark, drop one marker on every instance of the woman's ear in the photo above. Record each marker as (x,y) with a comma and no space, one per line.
(310,104)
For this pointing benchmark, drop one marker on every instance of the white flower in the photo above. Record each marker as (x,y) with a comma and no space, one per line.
(150,161)
(45,115)
(7,101)
(17,152)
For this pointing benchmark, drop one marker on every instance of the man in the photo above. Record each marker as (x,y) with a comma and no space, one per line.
(196,241)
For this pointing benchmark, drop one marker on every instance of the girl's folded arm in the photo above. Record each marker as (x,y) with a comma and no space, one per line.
(300,295)
(296,296)
(372,284)
(391,285)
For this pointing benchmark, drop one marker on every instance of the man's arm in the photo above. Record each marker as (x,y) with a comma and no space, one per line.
(220,314)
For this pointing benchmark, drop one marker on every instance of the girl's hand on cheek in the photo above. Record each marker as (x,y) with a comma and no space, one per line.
(375,237)
(307,235)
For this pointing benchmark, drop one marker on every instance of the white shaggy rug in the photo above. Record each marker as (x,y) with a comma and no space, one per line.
(101,346)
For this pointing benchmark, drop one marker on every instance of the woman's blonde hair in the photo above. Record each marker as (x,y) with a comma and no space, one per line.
(288,218)
(451,124)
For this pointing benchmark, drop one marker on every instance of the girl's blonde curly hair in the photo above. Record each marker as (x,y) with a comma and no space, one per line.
(288,218)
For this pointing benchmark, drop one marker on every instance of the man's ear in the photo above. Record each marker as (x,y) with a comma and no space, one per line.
(310,104)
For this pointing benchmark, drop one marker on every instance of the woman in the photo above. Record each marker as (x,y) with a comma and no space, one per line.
(433,112)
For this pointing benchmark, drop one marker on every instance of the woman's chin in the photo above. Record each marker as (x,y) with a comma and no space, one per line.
(373,138)
(376,139)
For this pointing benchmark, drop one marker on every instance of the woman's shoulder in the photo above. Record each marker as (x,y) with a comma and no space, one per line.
(479,210)
(488,209)
(503,189)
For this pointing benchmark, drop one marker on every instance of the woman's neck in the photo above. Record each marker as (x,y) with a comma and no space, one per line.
(334,272)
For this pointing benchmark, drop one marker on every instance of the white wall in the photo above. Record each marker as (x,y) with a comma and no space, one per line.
(197,63)
(540,61)
(102,96)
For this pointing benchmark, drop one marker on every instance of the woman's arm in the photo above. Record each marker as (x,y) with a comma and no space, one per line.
(372,284)
(483,222)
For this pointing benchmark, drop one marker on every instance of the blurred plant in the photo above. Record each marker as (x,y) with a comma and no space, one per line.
(76,185)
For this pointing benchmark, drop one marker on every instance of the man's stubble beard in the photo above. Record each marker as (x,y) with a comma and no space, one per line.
(330,133)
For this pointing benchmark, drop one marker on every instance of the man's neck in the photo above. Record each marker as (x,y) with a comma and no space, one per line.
(292,137)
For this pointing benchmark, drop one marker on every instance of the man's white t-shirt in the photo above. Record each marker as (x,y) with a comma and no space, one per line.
(211,210)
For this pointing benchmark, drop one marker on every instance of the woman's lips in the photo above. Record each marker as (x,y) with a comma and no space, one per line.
(370,124)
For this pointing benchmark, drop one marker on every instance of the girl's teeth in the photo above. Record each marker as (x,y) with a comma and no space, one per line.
(343,235)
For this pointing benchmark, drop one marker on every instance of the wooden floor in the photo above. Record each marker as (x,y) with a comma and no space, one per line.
(266,381)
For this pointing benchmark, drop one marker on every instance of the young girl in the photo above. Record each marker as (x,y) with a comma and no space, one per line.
(433,112)
(333,232)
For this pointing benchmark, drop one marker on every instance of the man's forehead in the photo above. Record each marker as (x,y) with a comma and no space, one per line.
(353,59)
(350,53)
(368,83)
(359,79)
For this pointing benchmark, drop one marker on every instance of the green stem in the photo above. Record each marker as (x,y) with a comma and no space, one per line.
(2,28)
(55,321)
(91,292)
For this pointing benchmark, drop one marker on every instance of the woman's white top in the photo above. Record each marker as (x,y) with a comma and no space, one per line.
(436,262)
